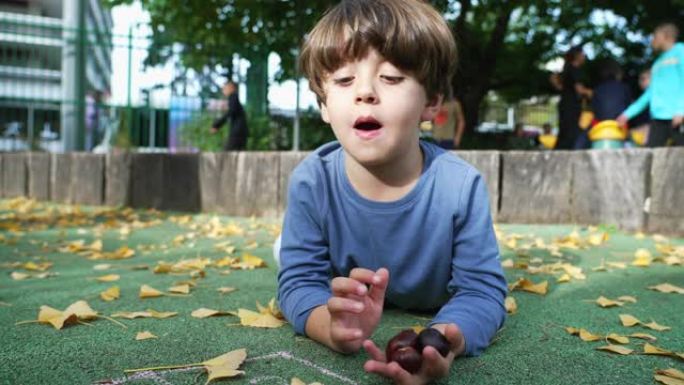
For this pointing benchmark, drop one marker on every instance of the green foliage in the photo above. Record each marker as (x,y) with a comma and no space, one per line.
(196,133)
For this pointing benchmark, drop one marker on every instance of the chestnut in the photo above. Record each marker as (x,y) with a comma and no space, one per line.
(432,337)
(408,358)
(402,350)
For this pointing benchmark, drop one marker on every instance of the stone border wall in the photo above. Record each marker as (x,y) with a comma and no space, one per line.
(638,189)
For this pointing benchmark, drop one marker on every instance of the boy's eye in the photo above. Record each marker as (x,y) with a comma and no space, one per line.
(392,79)
(343,80)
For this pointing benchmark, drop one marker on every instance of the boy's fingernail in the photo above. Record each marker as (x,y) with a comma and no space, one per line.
(358,306)
(376,279)
(361,290)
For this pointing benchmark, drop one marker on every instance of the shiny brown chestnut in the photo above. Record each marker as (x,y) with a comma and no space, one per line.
(432,337)
(402,350)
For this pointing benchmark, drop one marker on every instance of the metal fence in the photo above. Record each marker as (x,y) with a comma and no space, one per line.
(81,88)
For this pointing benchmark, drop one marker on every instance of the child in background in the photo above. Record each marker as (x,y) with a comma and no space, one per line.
(380,216)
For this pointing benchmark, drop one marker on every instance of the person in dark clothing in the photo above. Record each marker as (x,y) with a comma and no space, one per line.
(570,106)
(237,139)
(611,96)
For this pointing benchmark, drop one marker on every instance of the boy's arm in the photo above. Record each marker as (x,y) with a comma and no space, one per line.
(477,281)
(303,279)
(679,111)
(635,108)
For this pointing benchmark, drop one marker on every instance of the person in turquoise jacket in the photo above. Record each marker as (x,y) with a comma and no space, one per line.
(665,95)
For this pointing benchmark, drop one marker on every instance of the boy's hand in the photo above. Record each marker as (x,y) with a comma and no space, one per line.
(434,365)
(355,308)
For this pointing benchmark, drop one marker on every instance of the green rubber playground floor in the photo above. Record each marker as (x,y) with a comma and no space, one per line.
(532,348)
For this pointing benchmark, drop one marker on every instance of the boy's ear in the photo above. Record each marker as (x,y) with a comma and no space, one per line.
(432,108)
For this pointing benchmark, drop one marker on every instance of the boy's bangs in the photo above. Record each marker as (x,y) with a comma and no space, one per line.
(348,42)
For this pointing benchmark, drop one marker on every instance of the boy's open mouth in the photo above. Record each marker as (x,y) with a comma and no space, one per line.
(367,124)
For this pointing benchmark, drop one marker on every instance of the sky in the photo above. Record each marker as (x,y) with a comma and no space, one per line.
(280,96)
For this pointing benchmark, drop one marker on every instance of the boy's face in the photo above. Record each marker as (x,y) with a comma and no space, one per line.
(375,109)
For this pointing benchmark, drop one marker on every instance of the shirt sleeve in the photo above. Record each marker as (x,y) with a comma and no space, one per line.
(680,66)
(304,276)
(477,283)
(639,105)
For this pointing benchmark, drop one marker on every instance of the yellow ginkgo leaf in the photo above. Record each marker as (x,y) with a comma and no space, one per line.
(511,305)
(146,335)
(627,298)
(297,381)
(110,294)
(563,278)
(226,290)
(55,317)
(225,365)
(642,258)
(585,335)
(17,276)
(643,336)
(617,338)
(249,262)
(598,239)
(258,320)
(605,302)
(673,374)
(82,310)
(629,320)
(616,349)
(617,265)
(667,288)
(529,286)
(655,326)
(204,313)
(180,289)
(149,292)
(37,266)
(144,314)
(102,266)
(108,278)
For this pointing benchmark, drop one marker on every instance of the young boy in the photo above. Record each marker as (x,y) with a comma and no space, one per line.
(665,94)
(380,216)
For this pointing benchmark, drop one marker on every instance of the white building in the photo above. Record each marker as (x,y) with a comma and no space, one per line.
(44,87)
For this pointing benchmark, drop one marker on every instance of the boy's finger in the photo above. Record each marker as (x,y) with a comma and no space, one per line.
(344,305)
(454,335)
(373,351)
(342,334)
(380,281)
(434,365)
(362,275)
(342,286)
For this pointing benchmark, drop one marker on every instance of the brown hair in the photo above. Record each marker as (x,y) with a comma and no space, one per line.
(410,34)
(669,29)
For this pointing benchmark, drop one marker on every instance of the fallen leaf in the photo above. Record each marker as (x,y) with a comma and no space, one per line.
(110,294)
(629,320)
(258,320)
(297,381)
(529,286)
(149,292)
(617,265)
(249,262)
(226,290)
(102,266)
(144,314)
(605,302)
(617,338)
(563,278)
(77,311)
(670,376)
(108,278)
(651,349)
(585,335)
(667,288)
(180,289)
(32,266)
(616,349)
(144,336)
(627,298)
(225,365)
(655,326)
(642,258)
(508,263)
(643,336)
(204,313)
(511,305)
(17,276)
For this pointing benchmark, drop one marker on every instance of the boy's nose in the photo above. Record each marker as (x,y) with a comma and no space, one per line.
(366,94)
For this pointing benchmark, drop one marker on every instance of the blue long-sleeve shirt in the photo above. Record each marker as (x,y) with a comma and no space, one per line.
(665,94)
(437,242)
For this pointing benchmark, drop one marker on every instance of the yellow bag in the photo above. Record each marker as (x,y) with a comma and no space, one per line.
(586,117)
